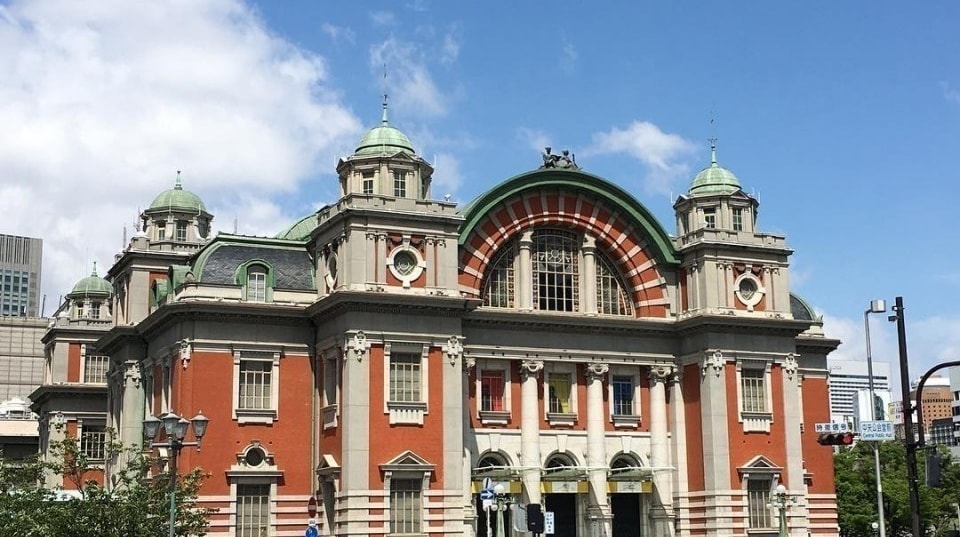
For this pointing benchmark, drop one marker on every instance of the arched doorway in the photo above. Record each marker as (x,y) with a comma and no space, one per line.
(630,480)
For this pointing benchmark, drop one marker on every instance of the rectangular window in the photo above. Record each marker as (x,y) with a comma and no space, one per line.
(80,310)
(399,184)
(95,310)
(758,500)
(405,377)
(95,369)
(623,396)
(255,384)
(93,441)
(710,218)
(406,512)
(367,184)
(161,231)
(253,510)
(737,219)
(753,389)
(491,391)
(256,286)
(559,386)
(181,231)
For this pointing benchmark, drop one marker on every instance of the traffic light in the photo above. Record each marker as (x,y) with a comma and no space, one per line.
(836,439)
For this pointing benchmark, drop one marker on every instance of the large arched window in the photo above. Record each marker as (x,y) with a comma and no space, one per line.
(555,277)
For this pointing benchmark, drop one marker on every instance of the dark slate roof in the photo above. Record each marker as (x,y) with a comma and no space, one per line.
(800,310)
(293,267)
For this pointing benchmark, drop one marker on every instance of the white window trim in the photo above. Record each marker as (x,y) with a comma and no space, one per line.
(754,422)
(757,296)
(406,412)
(413,473)
(421,265)
(264,415)
(632,421)
(96,463)
(563,419)
(330,409)
(494,417)
(236,479)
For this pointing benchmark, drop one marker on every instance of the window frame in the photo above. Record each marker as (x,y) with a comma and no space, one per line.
(737,218)
(368,182)
(265,508)
(257,415)
(180,230)
(491,416)
(242,278)
(710,218)
(565,419)
(546,278)
(95,431)
(406,412)
(400,183)
(759,515)
(753,419)
(632,373)
(415,521)
(87,356)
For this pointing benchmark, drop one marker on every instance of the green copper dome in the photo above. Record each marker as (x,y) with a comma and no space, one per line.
(178,198)
(384,139)
(714,179)
(92,285)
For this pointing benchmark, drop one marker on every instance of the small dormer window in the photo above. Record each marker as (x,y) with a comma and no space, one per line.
(80,310)
(710,218)
(95,310)
(181,231)
(367,184)
(399,184)
(738,219)
(161,231)
(257,283)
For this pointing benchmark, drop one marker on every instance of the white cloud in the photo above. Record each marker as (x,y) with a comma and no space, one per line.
(383,18)
(450,49)
(568,59)
(447,177)
(338,33)
(950,93)
(102,102)
(409,81)
(535,139)
(659,151)
(930,341)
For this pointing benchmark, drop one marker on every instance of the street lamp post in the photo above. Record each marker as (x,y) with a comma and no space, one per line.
(876,306)
(175,429)
(781,500)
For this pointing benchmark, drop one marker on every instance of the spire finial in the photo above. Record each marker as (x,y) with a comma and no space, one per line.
(94,273)
(384,120)
(713,151)
(178,185)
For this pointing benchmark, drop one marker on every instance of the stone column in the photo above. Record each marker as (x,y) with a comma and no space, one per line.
(525,273)
(716,444)
(598,511)
(469,510)
(660,450)
(530,430)
(792,418)
(678,445)
(589,250)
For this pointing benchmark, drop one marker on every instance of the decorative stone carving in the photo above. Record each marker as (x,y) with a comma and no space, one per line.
(186,352)
(530,368)
(713,361)
(469,362)
(660,373)
(358,345)
(454,349)
(596,371)
(790,365)
(132,374)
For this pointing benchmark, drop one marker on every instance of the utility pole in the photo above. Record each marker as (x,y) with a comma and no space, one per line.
(908,408)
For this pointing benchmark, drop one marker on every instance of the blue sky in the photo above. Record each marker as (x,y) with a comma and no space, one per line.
(842,117)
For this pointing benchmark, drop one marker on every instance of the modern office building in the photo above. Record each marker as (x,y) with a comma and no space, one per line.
(391,355)
(21,356)
(847,379)
(21,261)
(954,375)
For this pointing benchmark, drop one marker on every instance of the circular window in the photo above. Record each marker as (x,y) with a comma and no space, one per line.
(748,288)
(254,457)
(404,262)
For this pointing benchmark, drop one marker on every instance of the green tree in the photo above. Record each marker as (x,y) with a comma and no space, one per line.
(857,496)
(136,505)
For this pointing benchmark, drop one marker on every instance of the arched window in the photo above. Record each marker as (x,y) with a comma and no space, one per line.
(257,283)
(555,277)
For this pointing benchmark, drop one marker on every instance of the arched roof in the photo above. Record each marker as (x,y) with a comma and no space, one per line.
(575,180)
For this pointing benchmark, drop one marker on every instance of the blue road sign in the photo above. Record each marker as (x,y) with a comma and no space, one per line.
(486,494)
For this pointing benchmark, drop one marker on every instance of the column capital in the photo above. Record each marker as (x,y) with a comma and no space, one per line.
(790,365)
(132,374)
(530,368)
(661,373)
(713,362)
(596,371)
(526,239)
(453,349)
(358,345)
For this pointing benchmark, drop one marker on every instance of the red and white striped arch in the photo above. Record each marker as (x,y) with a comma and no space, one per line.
(622,242)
